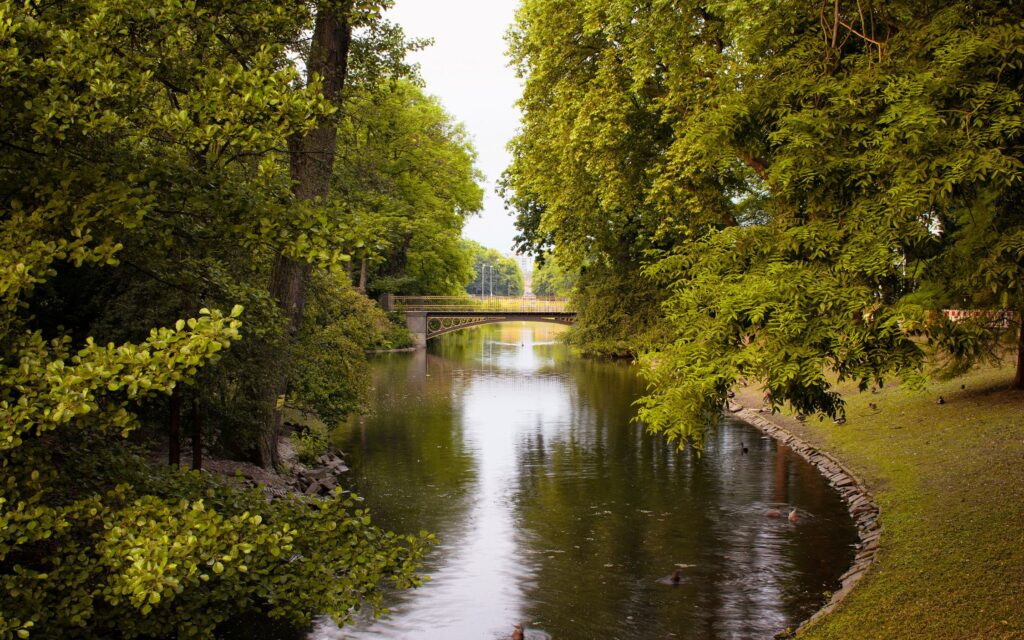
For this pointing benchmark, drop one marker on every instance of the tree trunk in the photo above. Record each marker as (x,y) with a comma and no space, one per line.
(362,276)
(312,162)
(197,435)
(1018,379)
(174,429)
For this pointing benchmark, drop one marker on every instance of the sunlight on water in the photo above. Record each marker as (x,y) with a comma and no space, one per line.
(555,510)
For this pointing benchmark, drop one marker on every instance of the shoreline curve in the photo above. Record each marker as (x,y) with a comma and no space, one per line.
(859,502)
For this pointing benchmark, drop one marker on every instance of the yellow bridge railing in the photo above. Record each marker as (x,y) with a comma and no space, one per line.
(488,304)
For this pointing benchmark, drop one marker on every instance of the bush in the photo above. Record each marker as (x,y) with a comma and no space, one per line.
(330,376)
(130,551)
(310,442)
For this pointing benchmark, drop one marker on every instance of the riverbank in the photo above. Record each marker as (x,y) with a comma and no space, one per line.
(949,479)
(855,493)
(377,352)
(321,477)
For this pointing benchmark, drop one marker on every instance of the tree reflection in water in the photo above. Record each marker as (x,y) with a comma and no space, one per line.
(555,509)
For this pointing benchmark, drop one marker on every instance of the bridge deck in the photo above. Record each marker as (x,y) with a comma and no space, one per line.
(452,306)
(431,316)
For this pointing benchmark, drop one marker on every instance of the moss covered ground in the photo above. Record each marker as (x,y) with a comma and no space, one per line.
(949,479)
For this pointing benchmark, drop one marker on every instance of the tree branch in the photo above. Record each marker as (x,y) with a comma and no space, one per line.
(864,37)
(242,60)
(759,165)
(835,24)
(22,149)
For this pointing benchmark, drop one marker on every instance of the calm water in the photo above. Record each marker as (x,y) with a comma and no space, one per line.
(556,511)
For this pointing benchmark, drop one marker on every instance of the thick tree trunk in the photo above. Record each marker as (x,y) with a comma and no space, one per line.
(312,162)
(174,429)
(362,276)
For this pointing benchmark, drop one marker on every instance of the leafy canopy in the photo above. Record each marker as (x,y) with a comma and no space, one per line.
(404,185)
(808,185)
(125,122)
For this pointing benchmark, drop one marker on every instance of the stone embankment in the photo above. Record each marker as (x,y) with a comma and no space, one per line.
(858,499)
(294,477)
(321,479)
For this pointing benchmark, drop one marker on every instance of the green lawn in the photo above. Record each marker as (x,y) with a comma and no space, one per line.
(950,482)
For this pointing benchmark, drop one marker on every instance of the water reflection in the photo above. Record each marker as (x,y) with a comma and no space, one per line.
(556,511)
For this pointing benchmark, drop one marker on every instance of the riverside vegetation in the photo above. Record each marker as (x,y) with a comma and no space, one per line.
(193,223)
(775,191)
(947,479)
(196,200)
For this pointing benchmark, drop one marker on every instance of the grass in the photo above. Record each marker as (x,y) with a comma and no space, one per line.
(950,482)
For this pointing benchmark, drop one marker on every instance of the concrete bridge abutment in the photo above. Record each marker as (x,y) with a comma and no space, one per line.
(416,322)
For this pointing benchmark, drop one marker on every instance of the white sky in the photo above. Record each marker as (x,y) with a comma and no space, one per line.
(467,69)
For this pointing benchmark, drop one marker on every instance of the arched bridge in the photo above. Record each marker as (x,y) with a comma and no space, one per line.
(431,316)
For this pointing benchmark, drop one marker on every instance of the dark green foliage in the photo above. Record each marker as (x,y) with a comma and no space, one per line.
(142,187)
(330,375)
(617,313)
(132,551)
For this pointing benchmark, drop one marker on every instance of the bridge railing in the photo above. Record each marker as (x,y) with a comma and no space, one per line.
(489,304)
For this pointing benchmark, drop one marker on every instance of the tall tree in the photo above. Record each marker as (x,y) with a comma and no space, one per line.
(404,186)
(493,273)
(552,280)
(811,184)
(311,162)
(123,121)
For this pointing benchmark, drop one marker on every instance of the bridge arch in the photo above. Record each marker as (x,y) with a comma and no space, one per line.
(441,325)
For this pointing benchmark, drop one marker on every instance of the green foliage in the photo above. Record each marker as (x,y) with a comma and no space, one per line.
(403,187)
(395,335)
(47,387)
(616,313)
(809,184)
(790,327)
(310,442)
(330,375)
(552,280)
(142,178)
(144,141)
(131,551)
(506,278)
(582,163)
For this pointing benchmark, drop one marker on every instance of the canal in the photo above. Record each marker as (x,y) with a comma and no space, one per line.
(555,510)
